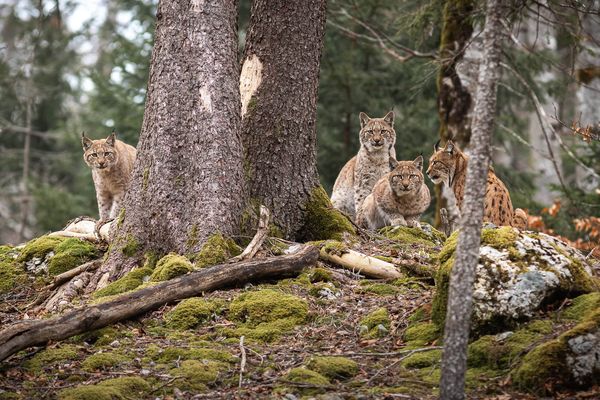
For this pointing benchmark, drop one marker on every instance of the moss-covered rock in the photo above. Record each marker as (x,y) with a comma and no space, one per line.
(319,275)
(50,357)
(197,374)
(518,272)
(322,221)
(426,235)
(267,314)
(306,376)
(39,247)
(583,306)
(171,266)
(381,289)
(423,359)
(172,354)
(71,253)
(11,272)
(376,324)
(421,334)
(128,282)
(110,389)
(190,313)
(101,361)
(217,249)
(333,367)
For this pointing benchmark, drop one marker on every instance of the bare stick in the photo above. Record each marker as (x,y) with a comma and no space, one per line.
(361,263)
(259,237)
(243,361)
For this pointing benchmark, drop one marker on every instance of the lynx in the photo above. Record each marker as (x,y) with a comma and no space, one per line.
(359,175)
(449,165)
(398,198)
(111,161)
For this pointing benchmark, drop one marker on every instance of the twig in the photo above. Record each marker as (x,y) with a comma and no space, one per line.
(386,354)
(167,383)
(243,360)
(259,237)
(65,276)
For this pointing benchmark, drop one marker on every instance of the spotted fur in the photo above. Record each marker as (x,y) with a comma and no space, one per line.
(111,162)
(449,165)
(356,180)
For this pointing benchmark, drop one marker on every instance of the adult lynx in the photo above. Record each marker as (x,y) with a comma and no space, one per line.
(356,180)
(111,162)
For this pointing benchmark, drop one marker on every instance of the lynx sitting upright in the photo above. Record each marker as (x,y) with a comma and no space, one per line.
(398,198)
(449,165)
(359,175)
(111,161)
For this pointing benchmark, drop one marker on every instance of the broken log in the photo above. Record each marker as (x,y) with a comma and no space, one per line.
(39,332)
(362,263)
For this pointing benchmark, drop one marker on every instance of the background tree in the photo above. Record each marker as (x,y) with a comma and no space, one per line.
(460,295)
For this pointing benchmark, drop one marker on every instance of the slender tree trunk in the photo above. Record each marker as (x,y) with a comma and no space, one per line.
(460,297)
(279,83)
(25,196)
(187,181)
(454,100)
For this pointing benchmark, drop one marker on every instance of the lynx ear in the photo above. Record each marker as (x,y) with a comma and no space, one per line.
(418,163)
(449,147)
(393,163)
(110,140)
(364,118)
(85,142)
(436,146)
(389,118)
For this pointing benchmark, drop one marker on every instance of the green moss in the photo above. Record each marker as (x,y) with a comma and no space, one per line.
(267,314)
(322,221)
(50,356)
(319,275)
(130,247)
(421,314)
(306,376)
(442,286)
(69,254)
(192,239)
(543,363)
(422,333)
(171,354)
(333,367)
(381,289)
(100,337)
(121,218)
(10,396)
(334,247)
(190,313)
(408,235)
(499,238)
(423,359)
(583,306)
(101,361)
(197,374)
(39,247)
(216,250)
(128,282)
(373,321)
(11,273)
(110,389)
(171,266)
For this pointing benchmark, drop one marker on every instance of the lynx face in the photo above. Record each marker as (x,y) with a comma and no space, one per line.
(442,163)
(100,154)
(406,178)
(377,133)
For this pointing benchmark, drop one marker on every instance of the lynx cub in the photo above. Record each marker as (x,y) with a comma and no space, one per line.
(111,161)
(450,165)
(398,198)
(359,175)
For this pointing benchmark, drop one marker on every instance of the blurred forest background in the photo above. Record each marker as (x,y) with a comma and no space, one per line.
(69,66)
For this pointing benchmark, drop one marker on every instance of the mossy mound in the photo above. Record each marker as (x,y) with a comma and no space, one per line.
(171,266)
(426,235)
(322,221)
(423,359)
(39,247)
(582,306)
(49,357)
(571,360)
(190,313)
(421,334)
(380,289)
(319,275)
(171,354)
(499,352)
(110,389)
(307,377)
(11,272)
(128,282)
(267,314)
(217,249)
(197,375)
(333,367)
(71,253)
(102,361)
(376,324)
(518,272)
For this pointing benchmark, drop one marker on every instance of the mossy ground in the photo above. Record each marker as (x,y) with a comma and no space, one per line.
(215,250)
(322,221)
(171,266)
(11,272)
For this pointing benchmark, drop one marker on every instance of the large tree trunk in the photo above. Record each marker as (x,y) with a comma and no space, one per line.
(454,100)
(279,83)
(188,178)
(460,297)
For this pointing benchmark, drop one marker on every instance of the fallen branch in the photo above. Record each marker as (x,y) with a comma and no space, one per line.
(259,237)
(66,276)
(243,361)
(361,263)
(39,332)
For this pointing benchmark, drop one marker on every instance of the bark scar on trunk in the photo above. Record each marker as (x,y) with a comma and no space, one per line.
(250,80)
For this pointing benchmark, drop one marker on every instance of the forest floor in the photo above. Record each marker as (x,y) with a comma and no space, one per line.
(381,360)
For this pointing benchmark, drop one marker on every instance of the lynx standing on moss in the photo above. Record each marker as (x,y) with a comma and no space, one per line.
(111,161)
(398,198)
(450,165)
(359,175)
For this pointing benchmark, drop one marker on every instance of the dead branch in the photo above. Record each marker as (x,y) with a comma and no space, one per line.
(39,332)
(66,276)
(361,263)
(243,360)
(259,237)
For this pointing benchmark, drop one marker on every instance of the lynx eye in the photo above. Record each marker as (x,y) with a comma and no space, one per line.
(94,155)
(107,154)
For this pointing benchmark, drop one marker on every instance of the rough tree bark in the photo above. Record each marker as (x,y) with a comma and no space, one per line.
(460,297)
(188,177)
(278,84)
(454,100)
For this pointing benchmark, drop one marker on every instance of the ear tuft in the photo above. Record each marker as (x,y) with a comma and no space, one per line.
(418,162)
(436,146)
(110,140)
(364,119)
(85,141)
(389,118)
(393,163)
